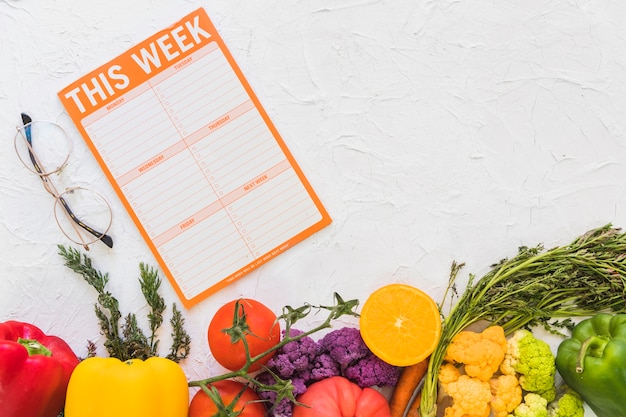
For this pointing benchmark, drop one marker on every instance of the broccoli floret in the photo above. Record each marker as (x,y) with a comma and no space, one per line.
(534,405)
(345,346)
(372,371)
(568,404)
(532,359)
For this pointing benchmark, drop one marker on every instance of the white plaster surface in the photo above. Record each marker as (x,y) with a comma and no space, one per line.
(433,131)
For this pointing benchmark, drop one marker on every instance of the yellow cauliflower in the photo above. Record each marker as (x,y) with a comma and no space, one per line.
(507,395)
(470,396)
(448,373)
(481,353)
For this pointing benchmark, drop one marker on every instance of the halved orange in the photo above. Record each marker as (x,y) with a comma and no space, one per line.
(400,324)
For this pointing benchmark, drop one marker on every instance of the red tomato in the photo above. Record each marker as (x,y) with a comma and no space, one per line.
(249,403)
(339,397)
(263,334)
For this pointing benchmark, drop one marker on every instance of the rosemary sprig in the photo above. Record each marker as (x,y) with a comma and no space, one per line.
(535,287)
(128,341)
(107,308)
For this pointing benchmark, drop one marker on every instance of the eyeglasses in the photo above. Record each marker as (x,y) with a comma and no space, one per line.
(44,144)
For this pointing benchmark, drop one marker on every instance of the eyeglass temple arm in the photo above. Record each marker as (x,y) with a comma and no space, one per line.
(26,120)
(106,239)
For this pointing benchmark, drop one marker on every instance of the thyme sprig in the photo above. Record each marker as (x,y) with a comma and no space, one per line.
(290,316)
(537,287)
(181,341)
(128,341)
(150,283)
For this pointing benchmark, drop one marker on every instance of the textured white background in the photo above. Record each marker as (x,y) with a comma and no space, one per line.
(432,131)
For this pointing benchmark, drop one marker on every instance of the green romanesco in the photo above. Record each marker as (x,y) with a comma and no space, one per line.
(568,404)
(534,405)
(533,361)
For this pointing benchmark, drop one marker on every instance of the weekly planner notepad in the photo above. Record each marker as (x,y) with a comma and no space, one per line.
(193,156)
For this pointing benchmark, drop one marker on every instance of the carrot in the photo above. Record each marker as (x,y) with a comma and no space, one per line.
(408,381)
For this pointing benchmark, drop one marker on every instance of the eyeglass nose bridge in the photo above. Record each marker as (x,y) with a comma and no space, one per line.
(49,186)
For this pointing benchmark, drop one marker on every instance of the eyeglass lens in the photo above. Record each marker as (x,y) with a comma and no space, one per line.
(46,141)
(86,209)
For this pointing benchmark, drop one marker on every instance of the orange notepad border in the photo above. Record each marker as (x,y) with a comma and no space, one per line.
(103,88)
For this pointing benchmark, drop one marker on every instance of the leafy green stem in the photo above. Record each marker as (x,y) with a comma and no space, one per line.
(534,287)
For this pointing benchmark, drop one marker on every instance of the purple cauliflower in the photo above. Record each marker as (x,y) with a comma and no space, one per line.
(296,358)
(284,407)
(371,370)
(357,363)
(345,346)
(324,367)
(294,361)
(341,352)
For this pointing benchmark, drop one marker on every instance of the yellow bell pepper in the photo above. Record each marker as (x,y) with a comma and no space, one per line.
(106,387)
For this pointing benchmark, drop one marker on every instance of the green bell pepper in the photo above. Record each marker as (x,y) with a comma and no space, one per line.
(592,362)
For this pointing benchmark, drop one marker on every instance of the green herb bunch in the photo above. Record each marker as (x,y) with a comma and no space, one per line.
(127,340)
(537,287)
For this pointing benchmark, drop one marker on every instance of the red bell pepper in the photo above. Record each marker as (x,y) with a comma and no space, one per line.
(34,371)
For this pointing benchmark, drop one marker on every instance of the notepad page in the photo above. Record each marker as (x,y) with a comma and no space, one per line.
(202,172)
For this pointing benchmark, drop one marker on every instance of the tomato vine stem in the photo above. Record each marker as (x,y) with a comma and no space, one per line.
(290,316)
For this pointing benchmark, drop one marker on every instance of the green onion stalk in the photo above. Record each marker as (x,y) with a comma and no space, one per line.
(537,287)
